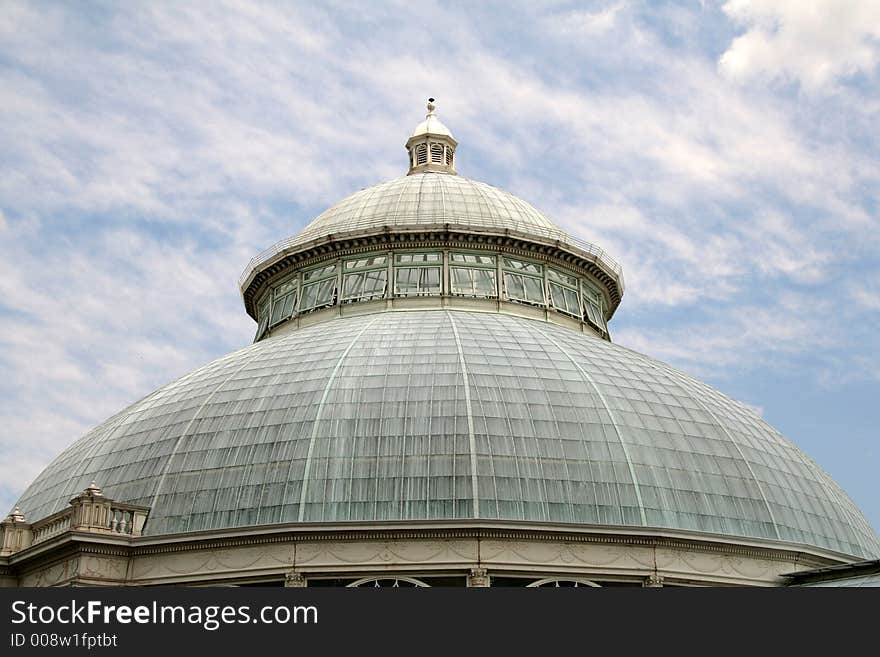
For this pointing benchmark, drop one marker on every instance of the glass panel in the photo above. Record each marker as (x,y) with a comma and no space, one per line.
(289,304)
(364,286)
(263,308)
(276,311)
(416,258)
(593,312)
(534,289)
(406,280)
(352,286)
(485,283)
(319,273)
(261,328)
(285,287)
(513,286)
(571,302)
(519,265)
(417,281)
(263,312)
(564,299)
(462,281)
(283,307)
(375,284)
(364,263)
(473,258)
(473,282)
(565,279)
(318,294)
(229,443)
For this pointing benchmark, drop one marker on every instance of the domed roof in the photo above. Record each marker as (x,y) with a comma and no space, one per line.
(431,126)
(433,414)
(430,200)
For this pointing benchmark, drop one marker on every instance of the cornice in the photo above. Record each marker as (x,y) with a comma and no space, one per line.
(694,542)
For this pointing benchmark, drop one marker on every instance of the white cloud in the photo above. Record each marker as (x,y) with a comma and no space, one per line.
(813,42)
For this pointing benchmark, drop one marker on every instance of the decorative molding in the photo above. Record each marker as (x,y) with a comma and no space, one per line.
(294,579)
(478,577)
(653,581)
(270,551)
(254,536)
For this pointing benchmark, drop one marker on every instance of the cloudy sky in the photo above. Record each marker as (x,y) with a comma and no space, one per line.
(726,153)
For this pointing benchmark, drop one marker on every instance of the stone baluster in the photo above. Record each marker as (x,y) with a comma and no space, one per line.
(138,520)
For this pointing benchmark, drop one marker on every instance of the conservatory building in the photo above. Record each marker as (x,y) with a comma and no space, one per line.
(432,398)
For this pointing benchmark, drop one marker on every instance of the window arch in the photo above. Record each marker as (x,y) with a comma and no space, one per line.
(393,582)
(559,583)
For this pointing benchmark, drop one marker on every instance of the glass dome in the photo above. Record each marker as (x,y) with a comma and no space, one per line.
(432,415)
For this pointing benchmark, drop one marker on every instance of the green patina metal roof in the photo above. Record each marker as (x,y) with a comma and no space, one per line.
(436,414)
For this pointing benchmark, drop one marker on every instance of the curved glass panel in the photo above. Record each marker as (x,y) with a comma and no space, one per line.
(452,414)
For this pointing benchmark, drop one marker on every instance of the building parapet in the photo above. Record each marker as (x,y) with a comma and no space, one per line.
(90,511)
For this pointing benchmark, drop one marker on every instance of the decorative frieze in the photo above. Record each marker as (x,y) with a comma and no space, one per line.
(296,552)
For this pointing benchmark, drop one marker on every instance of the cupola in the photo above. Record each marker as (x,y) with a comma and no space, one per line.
(431,146)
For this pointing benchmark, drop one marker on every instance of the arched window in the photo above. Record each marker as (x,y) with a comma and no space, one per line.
(449,156)
(394,582)
(557,583)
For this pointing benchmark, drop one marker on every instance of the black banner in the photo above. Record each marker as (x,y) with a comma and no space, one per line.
(136,621)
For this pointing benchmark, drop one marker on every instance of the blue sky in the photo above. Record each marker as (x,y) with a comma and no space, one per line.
(726,153)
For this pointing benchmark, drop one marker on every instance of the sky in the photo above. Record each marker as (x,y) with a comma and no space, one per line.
(725,153)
